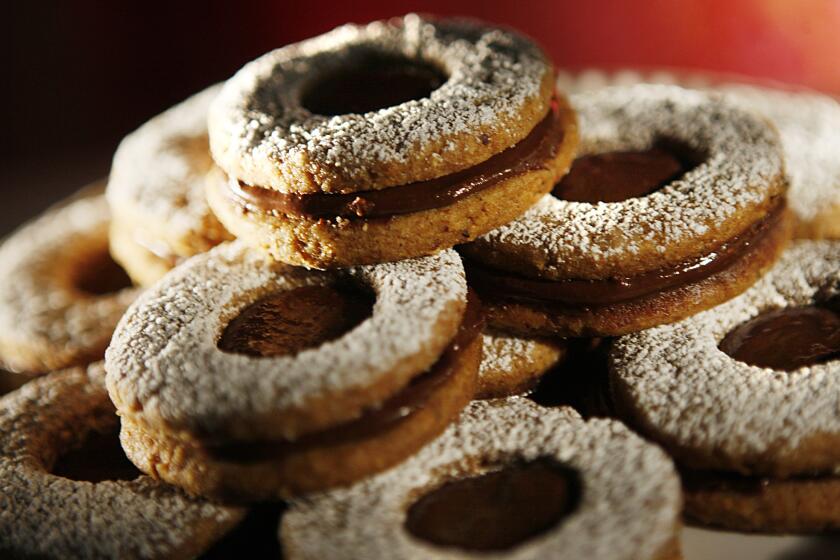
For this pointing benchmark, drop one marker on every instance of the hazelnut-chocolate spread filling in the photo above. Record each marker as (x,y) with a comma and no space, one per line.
(530,154)
(496,510)
(787,339)
(617,176)
(592,293)
(397,408)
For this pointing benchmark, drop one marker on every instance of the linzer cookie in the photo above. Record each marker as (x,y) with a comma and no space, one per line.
(511,365)
(743,396)
(156,191)
(241,378)
(68,491)
(61,294)
(508,479)
(808,124)
(381,142)
(675,204)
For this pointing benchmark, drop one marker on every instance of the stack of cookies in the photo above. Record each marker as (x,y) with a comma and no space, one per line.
(389,292)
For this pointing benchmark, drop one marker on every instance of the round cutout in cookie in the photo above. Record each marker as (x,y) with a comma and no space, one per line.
(69,491)
(61,294)
(808,123)
(508,478)
(745,388)
(338,374)
(156,191)
(431,168)
(695,213)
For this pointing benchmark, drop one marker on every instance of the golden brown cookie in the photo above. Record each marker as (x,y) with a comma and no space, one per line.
(61,294)
(337,375)
(387,141)
(675,203)
(68,491)
(511,365)
(508,479)
(748,388)
(808,124)
(156,191)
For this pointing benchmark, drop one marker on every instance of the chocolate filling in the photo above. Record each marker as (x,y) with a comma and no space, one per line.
(531,154)
(496,510)
(99,458)
(288,322)
(100,275)
(374,82)
(397,408)
(592,293)
(617,176)
(786,339)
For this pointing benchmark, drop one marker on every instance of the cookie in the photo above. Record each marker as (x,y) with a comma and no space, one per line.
(381,142)
(337,375)
(808,124)
(509,478)
(61,294)
(68,491)
(511,365)
(675,203)
(156,191)
(746,388)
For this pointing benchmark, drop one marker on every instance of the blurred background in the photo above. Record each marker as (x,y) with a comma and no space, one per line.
(81,74)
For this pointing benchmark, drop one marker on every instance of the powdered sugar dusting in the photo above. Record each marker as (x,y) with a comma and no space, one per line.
(261,134)
(696,396)
(46,515)
(157,177)
(42,314)
(741,170)
(808,124)
(164,355)
(629,507)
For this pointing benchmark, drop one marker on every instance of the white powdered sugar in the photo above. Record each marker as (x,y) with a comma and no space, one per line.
(164,357)
(44,515)
(687,391)
(157,177)
(629,508)
(261,133)
(808,124)
(500,352)
(741,170)
(43,316)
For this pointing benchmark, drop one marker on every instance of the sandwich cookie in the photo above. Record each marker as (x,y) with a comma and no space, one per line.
(381,142)
(156,191)
(675,204)
(509,480)
(511,365)
(245,379)
(61,294)
(808,125)
(68,491)
(743,396)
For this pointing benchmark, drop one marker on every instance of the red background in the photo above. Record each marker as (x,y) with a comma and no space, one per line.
(81,74)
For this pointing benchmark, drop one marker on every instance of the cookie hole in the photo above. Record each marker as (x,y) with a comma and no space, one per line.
(621,175)
(373,81)
(99,275)
(497,510)
(787,339)
(287,322)
(100,457)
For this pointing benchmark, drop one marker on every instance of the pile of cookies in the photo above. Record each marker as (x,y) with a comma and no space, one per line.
(395,292)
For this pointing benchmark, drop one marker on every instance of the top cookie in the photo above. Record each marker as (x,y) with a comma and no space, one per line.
(496,86)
